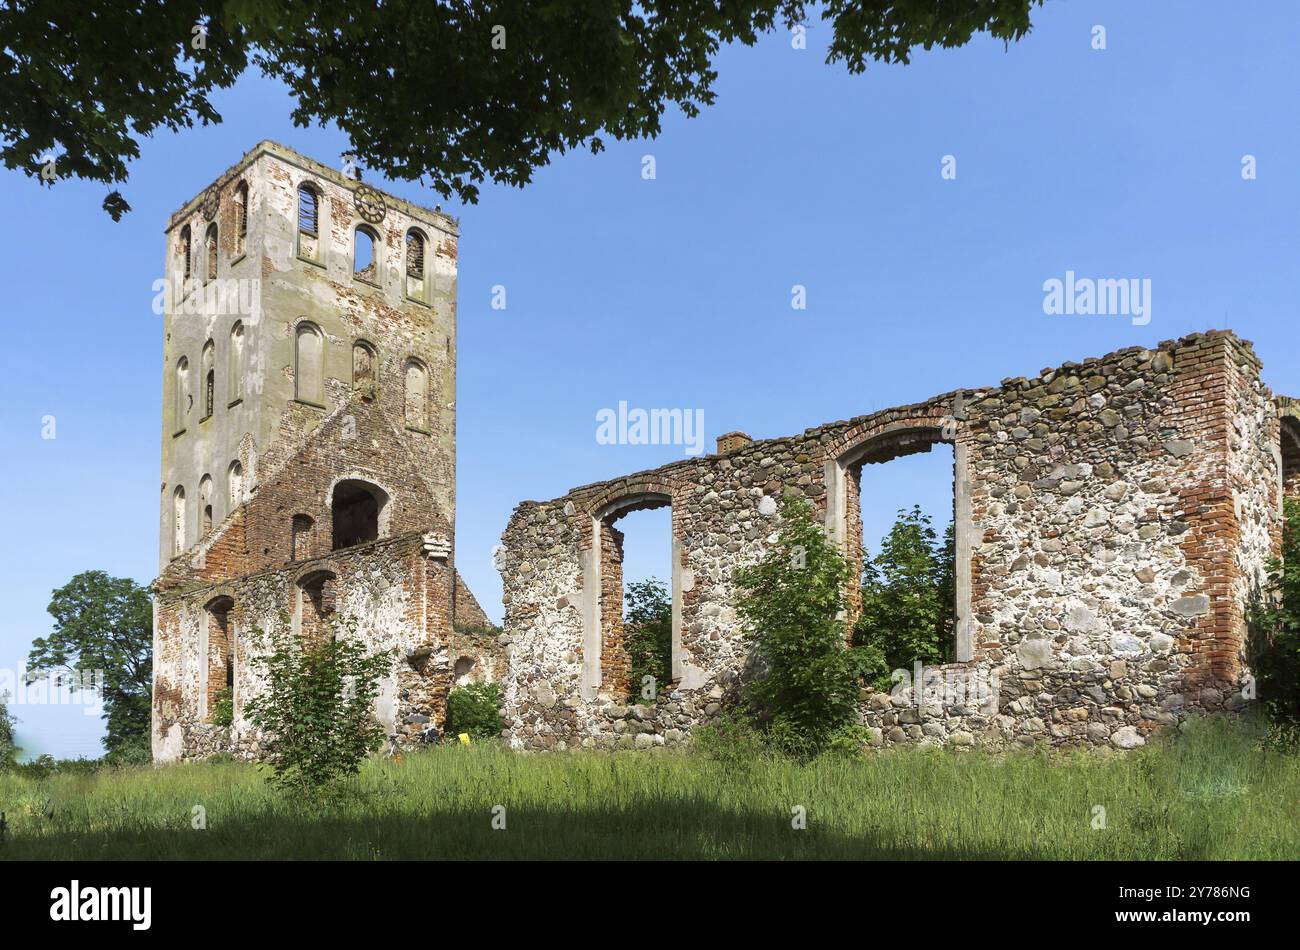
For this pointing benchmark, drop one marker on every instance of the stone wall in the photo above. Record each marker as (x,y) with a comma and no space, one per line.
(398,593)
(1112,516)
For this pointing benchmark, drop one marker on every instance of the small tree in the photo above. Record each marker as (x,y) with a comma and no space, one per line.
(907,596)
(792,603)
(648,635)
(317,711)
(1275,630)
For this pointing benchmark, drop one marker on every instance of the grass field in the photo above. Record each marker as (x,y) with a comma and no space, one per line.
(1208,794)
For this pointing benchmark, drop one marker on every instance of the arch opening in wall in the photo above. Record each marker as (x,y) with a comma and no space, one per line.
(415,264)
(309,200)
(364,369)
(416,376)
(241,218)
(187,253)
(365,254)
(627,656)
(904,527)
(235,484)
(235,365)
(1290,457)
(183,398)
(302,534)
(315,607)
(178,520)
(208,364)
(210,253)
(205,505)
(220,685)
(309,364)
(463,671)
(358,512)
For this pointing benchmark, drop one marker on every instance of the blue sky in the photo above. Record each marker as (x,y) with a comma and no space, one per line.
(676,292)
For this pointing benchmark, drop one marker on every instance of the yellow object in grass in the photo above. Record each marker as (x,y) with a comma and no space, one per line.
(464,738)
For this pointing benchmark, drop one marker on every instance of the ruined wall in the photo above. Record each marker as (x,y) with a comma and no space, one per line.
(396,593)
(1109,516)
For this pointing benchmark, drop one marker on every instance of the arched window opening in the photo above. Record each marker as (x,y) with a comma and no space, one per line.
(220,668)
(308,222)
(1290,458)
(632,639)
(363,369)
(178,520)
(183,399)
(365,255)
(315,607)
(308,210)
(235,365)
(417,396)
(463,671)
(210,253)
(205,505)
(900,512)
(187,252)
(235,484)
(415,282)
(308,377)
(301,531)
(241,218)
(209,378)
(357,509)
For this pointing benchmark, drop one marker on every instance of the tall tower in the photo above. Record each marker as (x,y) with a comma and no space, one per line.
(308,445)
(293,290)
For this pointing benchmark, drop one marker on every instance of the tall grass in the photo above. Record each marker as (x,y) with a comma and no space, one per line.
(1211,793)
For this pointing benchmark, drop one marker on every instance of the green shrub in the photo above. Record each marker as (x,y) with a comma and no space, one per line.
(223,708)
(8,751)
(475,709)
(648,637)
(317,713)
(1274,617)
(791,602)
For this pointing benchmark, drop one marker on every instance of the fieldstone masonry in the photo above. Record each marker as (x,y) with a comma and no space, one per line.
(1113,517)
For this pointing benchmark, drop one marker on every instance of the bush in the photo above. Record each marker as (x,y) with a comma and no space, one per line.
(8,751)
(317,713)
(1275,633)
(475,709)
(648,637)
(223,708)
(791,603)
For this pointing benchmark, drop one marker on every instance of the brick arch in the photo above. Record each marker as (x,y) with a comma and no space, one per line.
(604,659)
(882,441)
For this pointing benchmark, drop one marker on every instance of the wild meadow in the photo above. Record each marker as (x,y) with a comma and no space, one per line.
(1211,792)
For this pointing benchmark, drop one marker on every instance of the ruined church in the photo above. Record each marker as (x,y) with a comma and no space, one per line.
(1113,517)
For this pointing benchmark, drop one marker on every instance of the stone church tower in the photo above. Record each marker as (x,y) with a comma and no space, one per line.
(308,446)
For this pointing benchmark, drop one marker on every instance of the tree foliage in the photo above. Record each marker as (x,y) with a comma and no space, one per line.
(475,709)
(792,604)
(457,92)
(316,712)
(648,635)
(908,596)
(1275,630)
(103,624)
